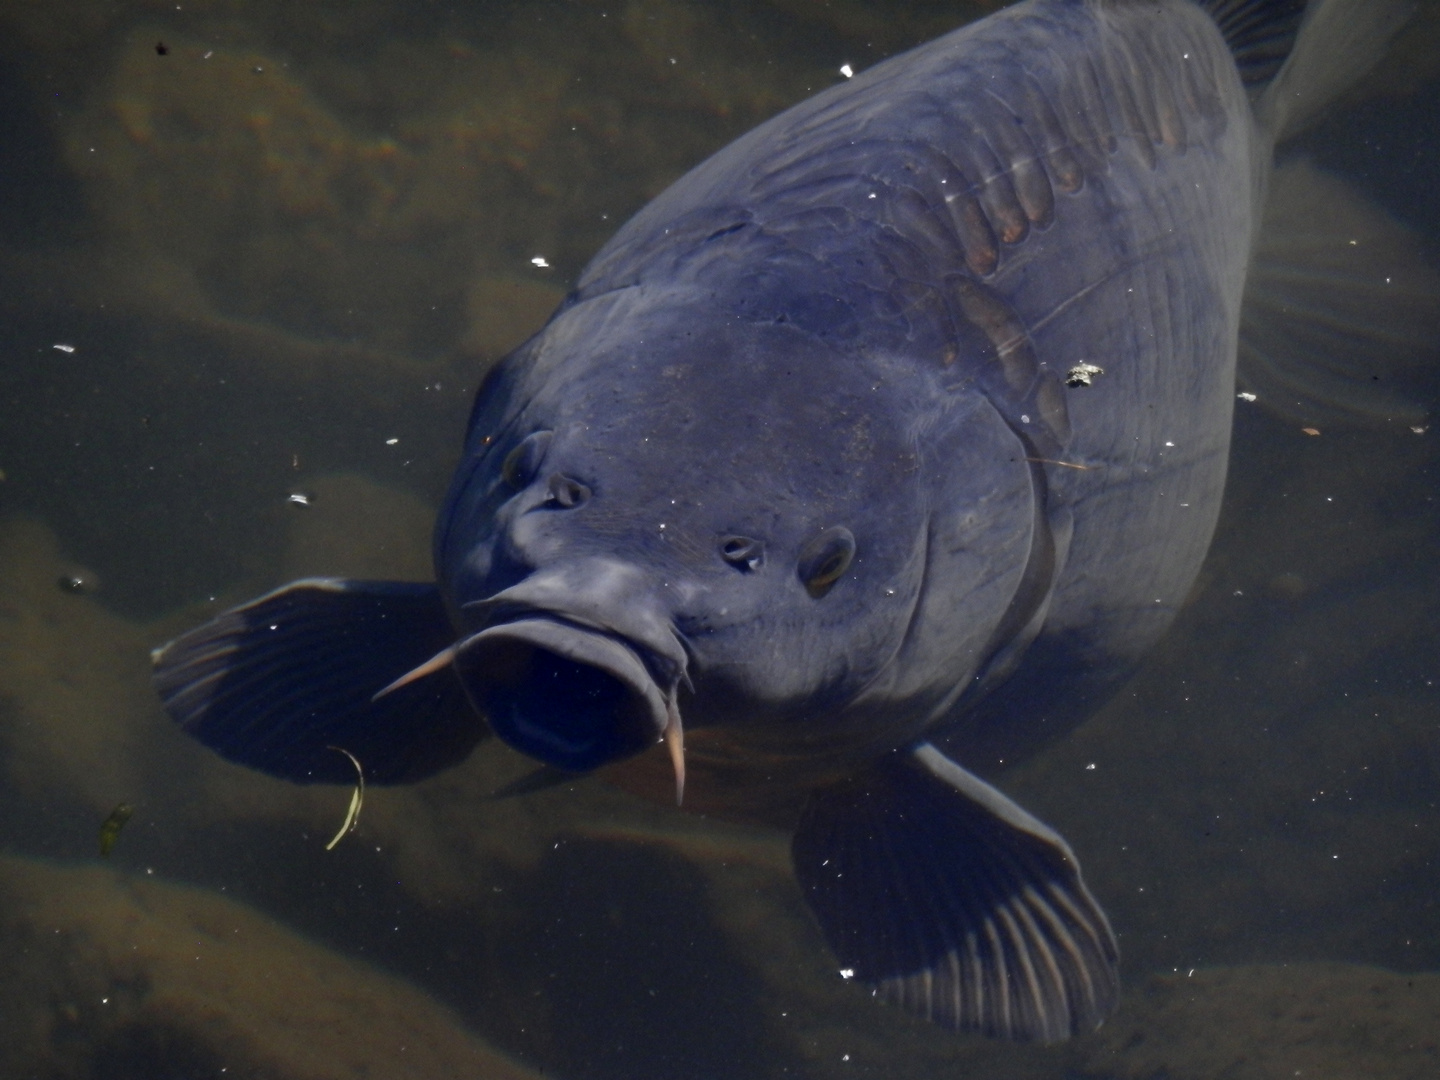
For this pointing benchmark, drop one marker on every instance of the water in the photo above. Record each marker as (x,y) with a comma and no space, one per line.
(279,256)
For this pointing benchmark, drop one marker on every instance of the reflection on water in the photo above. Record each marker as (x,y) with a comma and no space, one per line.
(280,252)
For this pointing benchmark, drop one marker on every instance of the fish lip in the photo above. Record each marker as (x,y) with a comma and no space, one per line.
(561,691)
(663,651)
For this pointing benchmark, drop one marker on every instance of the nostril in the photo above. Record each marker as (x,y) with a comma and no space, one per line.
(566,493)
(742,552)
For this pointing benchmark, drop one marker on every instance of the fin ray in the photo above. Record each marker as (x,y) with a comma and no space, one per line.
(951,901)
(278,683)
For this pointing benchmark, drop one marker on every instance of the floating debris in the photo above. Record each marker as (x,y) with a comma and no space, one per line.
(1245,395)
(539,260)
(1311,430)
(1083,374)
(299,498)
(110,828)
(62,347)
(78,581)
(847,71)
(357,799)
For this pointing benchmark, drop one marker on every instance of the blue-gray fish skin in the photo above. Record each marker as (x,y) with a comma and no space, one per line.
(867,456)
(863,314)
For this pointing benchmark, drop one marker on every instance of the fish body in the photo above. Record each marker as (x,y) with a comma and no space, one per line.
(890,282)
(801,482)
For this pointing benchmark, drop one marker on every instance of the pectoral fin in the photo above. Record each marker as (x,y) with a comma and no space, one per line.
(287,681)
(949,899)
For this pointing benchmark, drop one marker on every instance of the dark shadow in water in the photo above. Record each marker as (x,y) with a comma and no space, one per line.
(639,980)
(40,199)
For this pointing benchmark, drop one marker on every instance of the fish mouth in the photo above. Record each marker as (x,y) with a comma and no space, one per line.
(567,695)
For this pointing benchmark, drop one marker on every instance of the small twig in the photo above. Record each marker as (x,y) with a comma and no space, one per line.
(357,799)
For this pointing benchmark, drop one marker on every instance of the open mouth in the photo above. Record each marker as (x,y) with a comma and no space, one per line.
(563,694)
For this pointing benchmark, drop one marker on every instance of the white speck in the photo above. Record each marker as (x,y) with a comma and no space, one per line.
(889,592)
(1185,56)
(844,1057)
(1190,974)
(1420,429)
(391,441)
(1090,767)
(1185,505)
(299,499)
(208,54)
(539,260)
(1245,395)
(150,870)
(847,70)
(847,973)
(1024,418)
(1239,592)
(1169,444)
(1354,243)
(65,348)
(871,195)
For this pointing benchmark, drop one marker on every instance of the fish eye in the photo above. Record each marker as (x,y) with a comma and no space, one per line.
(825,559)
(743,552)
(521,463)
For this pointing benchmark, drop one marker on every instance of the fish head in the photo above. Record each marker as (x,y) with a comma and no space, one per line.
(672,508)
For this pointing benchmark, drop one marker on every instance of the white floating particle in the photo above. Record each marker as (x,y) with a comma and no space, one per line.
(1090,767)
(1169,444)
(1245,395)
(539,260)
(299,499)
(847,71)
(64,348)
(847,973)
(391,441)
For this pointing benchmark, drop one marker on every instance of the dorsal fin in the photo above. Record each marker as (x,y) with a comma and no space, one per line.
(1260,34)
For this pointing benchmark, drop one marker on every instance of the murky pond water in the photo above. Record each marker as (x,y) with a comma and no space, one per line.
(253,251)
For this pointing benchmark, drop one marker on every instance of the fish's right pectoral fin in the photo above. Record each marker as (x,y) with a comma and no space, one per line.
(1341,320)
(287,683)
(947,898)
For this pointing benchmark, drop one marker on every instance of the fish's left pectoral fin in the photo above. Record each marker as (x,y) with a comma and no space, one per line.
(288,683)
(947,898)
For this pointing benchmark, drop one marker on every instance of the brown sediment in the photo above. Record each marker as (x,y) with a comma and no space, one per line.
(107,973)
